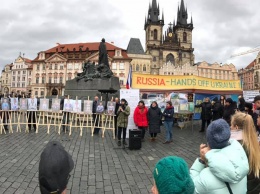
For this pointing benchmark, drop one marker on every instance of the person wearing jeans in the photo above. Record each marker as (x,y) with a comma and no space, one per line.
(141,117)
(168,121)
(122,121)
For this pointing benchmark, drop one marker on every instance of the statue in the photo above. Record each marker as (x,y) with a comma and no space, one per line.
(92,71)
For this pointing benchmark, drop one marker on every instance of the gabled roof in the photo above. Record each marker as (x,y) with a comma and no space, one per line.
(252,64)
(92,46)
(135,47)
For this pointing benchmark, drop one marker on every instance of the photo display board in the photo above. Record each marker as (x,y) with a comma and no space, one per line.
(5,104)
(88,105)
(55,105)
(44,104)
(14,104)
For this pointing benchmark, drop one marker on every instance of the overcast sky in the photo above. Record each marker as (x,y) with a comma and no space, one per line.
(221,27)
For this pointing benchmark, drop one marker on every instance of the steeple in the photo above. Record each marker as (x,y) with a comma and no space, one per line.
(182,16)
(153,14)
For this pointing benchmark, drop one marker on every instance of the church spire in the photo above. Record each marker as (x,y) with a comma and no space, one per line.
(153,14)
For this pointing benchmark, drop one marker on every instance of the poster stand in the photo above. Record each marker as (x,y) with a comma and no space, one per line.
(99,121)
(109,124)
(1,124)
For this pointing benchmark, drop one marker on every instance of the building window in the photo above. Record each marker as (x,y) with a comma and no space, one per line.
(114,66)
(24,72)
(154,58)
(118,53)
(55,66)
(23,85)
(43,66)
(76,66)
(13,72)
(155,34)
(184,37)
(69,66)
(38,67)
(23,79)
(137,68)
(55,80)
(18,73)
(121,82)
(61,80)
(13,84)
(13,78)
(36,93)
(49,80)
(61,66)
(30,73)
(43,80)
(42,93)
(37,80)
(170,59)
(18,78)
(144,68)
(121,66)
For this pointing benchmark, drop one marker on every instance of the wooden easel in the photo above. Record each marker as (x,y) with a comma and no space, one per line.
(43,114)
(67,118)
(22,119)
(55,117)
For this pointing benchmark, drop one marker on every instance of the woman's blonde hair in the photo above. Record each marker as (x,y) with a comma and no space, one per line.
(250,142)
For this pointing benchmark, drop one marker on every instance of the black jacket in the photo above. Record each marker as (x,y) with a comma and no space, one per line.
(168,114)
(217,110)
(205,110)
(154,119)
(228,112)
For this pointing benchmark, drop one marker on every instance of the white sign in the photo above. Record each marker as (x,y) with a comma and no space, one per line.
(250,94)
(132,96)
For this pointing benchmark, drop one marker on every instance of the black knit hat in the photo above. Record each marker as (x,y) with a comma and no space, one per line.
(54,168)
(256,98)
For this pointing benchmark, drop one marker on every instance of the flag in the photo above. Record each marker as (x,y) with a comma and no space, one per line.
(129,78)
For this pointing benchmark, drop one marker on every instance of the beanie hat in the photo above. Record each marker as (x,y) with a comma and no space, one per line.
(171,175)
(215,99)
(249,105)
(256,98)
(218,134)
(54,168)
(229,100)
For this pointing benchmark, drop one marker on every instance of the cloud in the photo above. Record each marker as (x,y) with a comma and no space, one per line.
(221,27)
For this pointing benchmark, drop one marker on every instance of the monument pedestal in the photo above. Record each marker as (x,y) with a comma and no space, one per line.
(82,89)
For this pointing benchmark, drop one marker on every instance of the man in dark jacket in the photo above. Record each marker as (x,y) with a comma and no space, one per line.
(217,109)
(95,116)
(229,109)
(206,114)
(115,118)
(257,112)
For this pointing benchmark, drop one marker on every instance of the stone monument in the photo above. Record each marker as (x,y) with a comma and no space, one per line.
(94,78)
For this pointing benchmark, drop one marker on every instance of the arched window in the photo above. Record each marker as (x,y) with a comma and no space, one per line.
(144,68)
(137,68)
(155,34)
(170,59)
(184,37)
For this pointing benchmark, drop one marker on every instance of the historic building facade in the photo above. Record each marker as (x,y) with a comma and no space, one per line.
(217,71)
(246,75)
(53,67)
(141,62)
(21,76)
(6,79)
(172,47)
(256,76)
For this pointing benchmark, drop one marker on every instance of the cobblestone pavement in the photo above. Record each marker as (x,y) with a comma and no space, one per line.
(99,167)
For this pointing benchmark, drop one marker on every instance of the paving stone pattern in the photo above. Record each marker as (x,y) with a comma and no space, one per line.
(100,167)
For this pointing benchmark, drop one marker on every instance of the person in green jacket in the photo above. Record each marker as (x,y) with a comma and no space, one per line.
(122,120)
(243,130)
(223,166)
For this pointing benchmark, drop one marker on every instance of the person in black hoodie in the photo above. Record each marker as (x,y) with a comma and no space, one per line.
(229,109)
(249,109)
(115,117)
(154,120)
(241,106)
(206,114)
(217,109)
